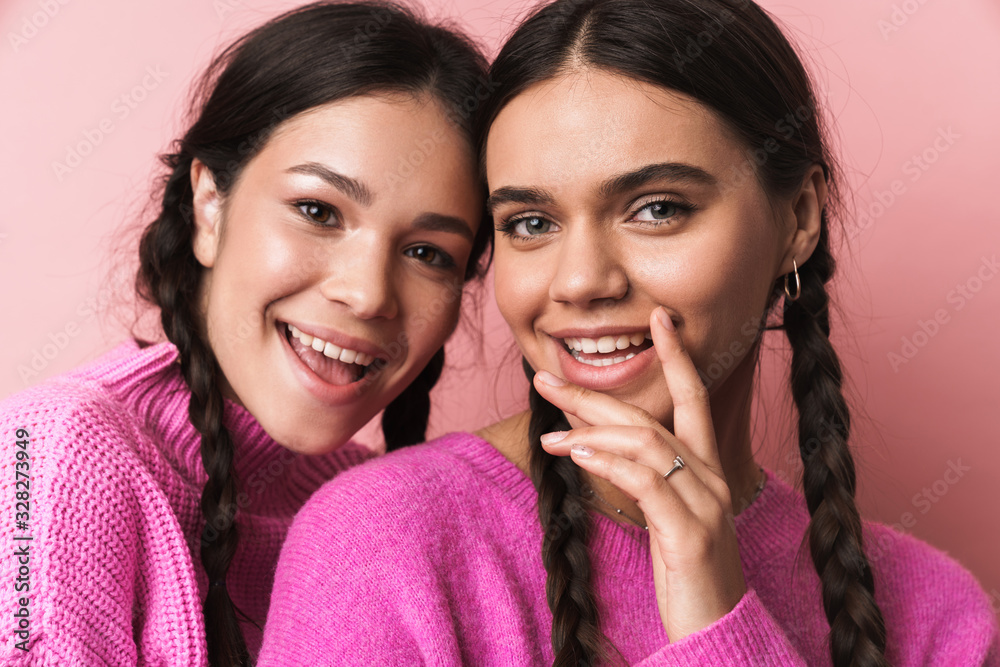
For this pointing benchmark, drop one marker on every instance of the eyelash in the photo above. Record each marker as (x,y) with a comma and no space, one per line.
(507,226)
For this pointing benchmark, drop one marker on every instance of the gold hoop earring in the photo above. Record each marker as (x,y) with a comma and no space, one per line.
(798,284)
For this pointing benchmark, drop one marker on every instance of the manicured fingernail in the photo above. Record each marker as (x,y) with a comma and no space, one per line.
(582,451)
(665,319)
(550,379)
(554,437)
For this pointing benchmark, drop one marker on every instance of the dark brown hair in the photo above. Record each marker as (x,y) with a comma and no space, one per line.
(730,56)
(310,56)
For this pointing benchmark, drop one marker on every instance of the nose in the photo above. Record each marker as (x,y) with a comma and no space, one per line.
(361,276)
(589,270)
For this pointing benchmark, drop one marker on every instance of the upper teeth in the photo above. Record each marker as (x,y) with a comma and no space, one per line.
(331,350)
(606,344)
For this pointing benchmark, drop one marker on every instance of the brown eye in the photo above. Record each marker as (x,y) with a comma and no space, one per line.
(315,211)
(430,255)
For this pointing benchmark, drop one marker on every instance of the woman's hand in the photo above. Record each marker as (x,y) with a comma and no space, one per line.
(696,561)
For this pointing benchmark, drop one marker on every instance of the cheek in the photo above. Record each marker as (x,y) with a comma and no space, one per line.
(432,315)
(521,289)
(718,289)
(258,264)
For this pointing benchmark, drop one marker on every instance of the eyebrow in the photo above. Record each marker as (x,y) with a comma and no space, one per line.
(516,195)
(435,222)
(664,171)
(351,187)
(673,171)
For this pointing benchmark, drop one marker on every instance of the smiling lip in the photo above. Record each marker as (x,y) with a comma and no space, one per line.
(601,378)
(331,394)
(340,340)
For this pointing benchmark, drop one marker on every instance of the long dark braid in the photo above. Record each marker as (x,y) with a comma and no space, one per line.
(404,421)
(750,76)
(857,628)
(304,58)
(576,628)
(170,276)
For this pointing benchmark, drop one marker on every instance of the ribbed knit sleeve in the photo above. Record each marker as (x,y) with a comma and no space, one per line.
(936,612)
(96,545)
(746,636)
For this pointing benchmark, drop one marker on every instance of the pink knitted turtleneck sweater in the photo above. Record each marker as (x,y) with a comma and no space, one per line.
(112,573)
(432,556)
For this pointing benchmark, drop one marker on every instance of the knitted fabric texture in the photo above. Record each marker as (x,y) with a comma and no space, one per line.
(432,556)
(112,574)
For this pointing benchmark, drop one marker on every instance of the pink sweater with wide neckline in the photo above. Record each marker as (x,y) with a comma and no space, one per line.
(431,556)
(114,486)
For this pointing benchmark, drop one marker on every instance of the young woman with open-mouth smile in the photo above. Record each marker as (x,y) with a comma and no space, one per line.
(316,225)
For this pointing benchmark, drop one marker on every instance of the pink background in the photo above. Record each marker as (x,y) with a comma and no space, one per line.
(904,79)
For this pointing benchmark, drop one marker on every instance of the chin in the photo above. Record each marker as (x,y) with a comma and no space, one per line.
(311,437)
(313,446)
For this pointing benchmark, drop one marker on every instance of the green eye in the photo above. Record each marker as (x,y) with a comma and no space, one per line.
(658,211)
(662,211)
(525,227)
(532,226)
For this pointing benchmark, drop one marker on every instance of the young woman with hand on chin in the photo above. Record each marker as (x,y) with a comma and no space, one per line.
(307,272)
(653,211)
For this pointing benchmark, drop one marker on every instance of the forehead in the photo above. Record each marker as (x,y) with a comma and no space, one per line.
(585,124)
(357,111)
(375,137)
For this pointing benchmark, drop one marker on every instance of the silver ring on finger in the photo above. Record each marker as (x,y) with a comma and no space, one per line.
(678,464)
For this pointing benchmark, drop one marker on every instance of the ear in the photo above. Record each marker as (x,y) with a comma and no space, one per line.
(807,218)
(207,205)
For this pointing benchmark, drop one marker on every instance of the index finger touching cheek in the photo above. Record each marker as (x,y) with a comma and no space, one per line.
(692,411)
